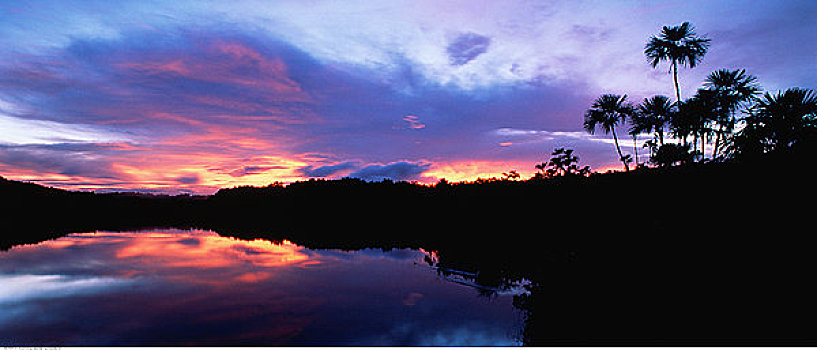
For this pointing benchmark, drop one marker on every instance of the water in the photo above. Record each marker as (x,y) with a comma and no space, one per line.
(187,288)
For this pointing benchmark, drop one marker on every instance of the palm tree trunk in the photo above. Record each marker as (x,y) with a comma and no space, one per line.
(694,144)
(661,137)
(717,141)
(620,156)
(675,78)
(635,149)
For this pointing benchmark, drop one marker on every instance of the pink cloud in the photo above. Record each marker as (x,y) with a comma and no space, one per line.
(227,62)
(414,122)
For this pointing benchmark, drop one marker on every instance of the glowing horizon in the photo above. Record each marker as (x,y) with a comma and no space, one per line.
(193,96)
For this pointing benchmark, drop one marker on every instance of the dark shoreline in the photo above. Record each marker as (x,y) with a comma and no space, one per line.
(704,254)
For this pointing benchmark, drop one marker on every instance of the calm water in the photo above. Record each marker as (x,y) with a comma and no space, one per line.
(182,288)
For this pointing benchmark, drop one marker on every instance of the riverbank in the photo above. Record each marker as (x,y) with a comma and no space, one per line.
(705,254)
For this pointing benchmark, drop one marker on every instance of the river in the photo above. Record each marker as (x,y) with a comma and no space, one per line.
(196,288)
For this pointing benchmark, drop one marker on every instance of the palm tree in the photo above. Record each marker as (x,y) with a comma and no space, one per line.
(698,112)
(653,115)
(563,162)
(790,116)
(678,45)
(733,89)
(635,145)
(681,124)
(777,123)
(607,111)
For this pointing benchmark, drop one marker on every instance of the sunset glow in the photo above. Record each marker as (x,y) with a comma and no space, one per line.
(171,253)
(193,96)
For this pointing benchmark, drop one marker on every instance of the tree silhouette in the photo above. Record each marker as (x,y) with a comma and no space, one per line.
(733,89)
(702,109)
(542,169)
(652,145)
(650,115)
(681,124)
(778,122)
(635,146)
(678,45)
(511,176)
(670,154)
(653,115)
(607,111)
(563,163)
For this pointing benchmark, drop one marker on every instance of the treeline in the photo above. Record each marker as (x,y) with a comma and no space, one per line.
(698,254)
(562,205)
(32,213)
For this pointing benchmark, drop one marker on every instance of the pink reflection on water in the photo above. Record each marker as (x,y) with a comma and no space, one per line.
(196,256)
(184,288)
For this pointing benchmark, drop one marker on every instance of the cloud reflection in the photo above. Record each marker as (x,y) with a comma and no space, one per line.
(17,288)
(182,288)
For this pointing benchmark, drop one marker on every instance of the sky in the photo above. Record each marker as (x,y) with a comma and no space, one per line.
(193,96)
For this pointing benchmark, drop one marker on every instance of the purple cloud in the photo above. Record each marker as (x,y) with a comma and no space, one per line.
(55,160)
(398,171)
(466,47)
(188,180)
(328,170)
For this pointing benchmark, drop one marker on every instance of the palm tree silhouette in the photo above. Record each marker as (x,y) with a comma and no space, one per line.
(678,45)
(790,115)
(733,89)
(635,145)
(607,111)
(778,122)
(563,161)
(653,115)
(697,113)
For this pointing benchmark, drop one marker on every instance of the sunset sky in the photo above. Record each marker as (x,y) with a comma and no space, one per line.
(192,96)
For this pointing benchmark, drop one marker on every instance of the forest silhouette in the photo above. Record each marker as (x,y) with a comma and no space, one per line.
(683,249)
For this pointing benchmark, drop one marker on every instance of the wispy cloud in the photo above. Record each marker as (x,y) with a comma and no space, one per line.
(18,131)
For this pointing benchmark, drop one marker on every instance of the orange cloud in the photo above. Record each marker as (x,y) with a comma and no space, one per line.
(471,170)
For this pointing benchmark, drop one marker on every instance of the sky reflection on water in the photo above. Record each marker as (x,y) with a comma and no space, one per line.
(173,287)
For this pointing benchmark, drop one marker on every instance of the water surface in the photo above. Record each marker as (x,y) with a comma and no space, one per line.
(179,288)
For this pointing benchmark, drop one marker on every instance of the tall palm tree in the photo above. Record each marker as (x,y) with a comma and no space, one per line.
(607,111)
(733,89)
(653,115)
(678,45)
